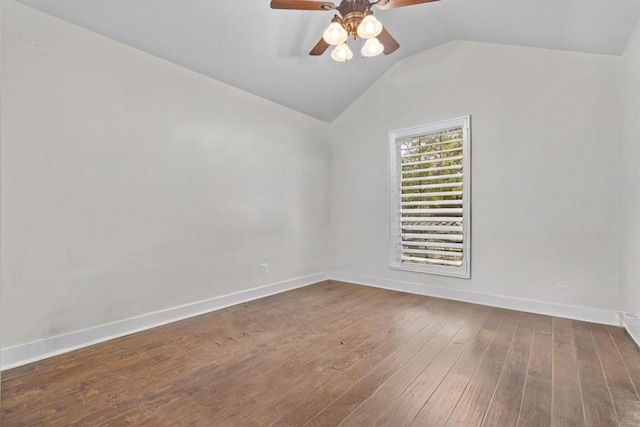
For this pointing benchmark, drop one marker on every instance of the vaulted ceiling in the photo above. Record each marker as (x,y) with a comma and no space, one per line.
(248,45)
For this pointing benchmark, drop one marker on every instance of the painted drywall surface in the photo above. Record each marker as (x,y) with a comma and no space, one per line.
(2,2)
(630,178)
(131,185)
(544,169)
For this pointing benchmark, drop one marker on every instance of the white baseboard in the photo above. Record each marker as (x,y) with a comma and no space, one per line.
(632,325)
(22,354)
(550,309)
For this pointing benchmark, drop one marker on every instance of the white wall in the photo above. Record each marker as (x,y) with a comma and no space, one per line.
(544,162)
(131,185)
(630,178)
(2,5)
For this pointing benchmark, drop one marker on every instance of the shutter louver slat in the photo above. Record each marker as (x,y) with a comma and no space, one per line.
(438,228)
(448,219)
(430,161)
(432,211)
(427,186)
(429,144)
(438,169)
(433,202)
(432,244)
(451,254)
(425,153)
(432,260)
(432,178)
(436,194)
(426,236)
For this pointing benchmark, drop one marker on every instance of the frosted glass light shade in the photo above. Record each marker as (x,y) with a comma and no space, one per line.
(342,53)
(372,47)
(369,27)
(335,34)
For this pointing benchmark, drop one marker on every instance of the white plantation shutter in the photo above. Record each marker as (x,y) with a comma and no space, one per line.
(430,188)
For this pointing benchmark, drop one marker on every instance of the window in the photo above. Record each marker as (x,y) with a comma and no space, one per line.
(430,198)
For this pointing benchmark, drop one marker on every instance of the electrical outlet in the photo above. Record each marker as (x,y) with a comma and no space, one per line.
(264,268)
(561,283)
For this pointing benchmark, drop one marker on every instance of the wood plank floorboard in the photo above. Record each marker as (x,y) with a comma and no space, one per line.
(394,375)
(506,401)
(568,409)
(350,341)
(598,406)
(339,354)
(472,405)
(627,349)
(622,391)
(444,399)
(392,352)
(537,396)
(402,395)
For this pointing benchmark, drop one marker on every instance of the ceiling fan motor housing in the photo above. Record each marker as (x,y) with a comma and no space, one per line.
(353,12)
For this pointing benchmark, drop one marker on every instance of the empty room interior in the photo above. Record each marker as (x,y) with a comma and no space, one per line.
(310,213)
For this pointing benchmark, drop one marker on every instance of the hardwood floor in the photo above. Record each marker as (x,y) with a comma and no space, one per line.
(340,354)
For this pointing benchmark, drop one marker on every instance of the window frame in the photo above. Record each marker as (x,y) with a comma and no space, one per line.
(395,172)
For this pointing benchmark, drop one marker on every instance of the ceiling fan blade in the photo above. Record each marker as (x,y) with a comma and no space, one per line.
(319,48)
(390,44)
(302,5)
(392,4)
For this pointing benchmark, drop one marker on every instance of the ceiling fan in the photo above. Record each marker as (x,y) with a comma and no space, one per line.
(355,19)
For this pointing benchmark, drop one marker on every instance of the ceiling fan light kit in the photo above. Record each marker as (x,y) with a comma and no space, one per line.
(342,53)
(356,20)
(335,34)
(370,27)
(372,47)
